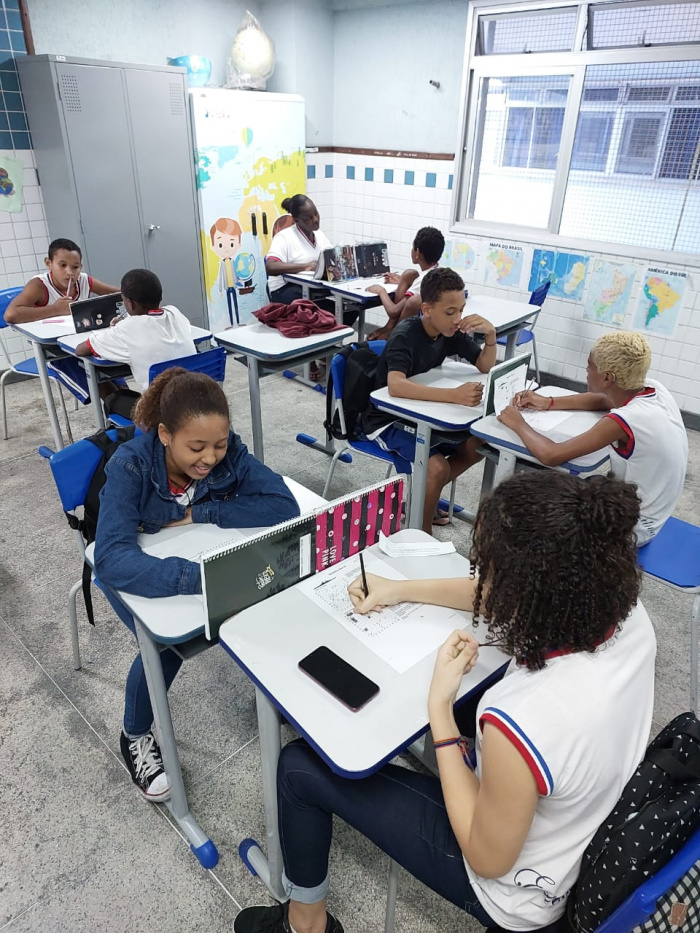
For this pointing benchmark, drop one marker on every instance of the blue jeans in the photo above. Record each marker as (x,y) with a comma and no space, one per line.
(401,812)
(138,713)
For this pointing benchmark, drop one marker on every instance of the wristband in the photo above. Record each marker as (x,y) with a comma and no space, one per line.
(461,743)
(551,403)
(487,344)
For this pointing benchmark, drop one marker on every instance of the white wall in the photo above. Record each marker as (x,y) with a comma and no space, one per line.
(144,31)
(384,59)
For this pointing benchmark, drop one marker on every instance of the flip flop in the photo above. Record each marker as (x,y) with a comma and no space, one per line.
(441,518)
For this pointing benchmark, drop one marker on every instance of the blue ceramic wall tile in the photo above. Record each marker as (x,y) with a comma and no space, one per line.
(350,172)
(5,41)
(17,42)
(409,178)
(388,176)
(430,179)
(13,100)
(450,182)
(14,20)
(5,140)
(9,81)
(329,171)
(369,174)
(11,4)
(4,125)
(17,121)
(310,171)
(21,140)
(7,63)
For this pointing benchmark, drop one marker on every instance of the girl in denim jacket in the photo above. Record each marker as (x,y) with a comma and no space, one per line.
(188,466)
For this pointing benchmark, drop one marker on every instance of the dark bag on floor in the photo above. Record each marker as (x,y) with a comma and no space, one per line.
(87,525)
(360,368)
(122,402)
(658,812)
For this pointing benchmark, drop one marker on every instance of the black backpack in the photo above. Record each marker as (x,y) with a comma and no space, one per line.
(658,812)
(360,368)
(87,525)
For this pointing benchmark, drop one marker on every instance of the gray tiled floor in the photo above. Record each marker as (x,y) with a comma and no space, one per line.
(79,850)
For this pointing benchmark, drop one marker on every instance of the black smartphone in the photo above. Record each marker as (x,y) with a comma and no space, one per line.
(339,678)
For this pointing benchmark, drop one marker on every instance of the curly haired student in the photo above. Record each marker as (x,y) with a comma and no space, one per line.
(557,738)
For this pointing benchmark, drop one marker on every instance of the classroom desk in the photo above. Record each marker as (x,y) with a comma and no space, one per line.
(506,315)
(93,364)
(177,620)
(427,416)
(510,448)
(268,640)
(354,290)
(268,351)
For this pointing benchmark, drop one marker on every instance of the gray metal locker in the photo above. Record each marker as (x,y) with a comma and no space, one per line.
(114,153)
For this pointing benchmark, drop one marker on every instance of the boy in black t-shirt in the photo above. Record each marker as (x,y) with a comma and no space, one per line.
(416,346)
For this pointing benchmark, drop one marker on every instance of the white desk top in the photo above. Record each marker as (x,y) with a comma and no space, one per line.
(269,640)
(266,343)
(50,329)
(437,414)
(503,313)
(497,434)
(174,619)
(353,288)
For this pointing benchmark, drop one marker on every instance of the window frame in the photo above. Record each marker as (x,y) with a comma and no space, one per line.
(477,67)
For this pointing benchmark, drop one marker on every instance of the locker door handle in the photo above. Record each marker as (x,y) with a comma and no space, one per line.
(264,224)
(152,227)
(254,224)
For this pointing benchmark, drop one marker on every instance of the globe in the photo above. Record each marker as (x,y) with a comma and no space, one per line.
(198,68)
(244,267)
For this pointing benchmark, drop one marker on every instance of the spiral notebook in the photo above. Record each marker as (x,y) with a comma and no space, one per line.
(240,575)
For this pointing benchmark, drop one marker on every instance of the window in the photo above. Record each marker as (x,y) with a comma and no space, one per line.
(640,143)
(534,31)
(592,146)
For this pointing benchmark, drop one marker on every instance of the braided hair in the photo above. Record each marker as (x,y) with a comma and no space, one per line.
(557,562)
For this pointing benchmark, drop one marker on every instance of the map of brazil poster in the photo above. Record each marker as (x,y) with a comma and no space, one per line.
(660,301)
(566,272)
(609,288)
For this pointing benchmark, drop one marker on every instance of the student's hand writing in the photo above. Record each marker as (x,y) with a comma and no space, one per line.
(475,323)
(530,399)
(468,394)
(382,592)
(392,278)
(511,417)
(454,659)
(375,289)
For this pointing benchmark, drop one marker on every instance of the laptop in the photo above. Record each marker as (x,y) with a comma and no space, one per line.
(97,313)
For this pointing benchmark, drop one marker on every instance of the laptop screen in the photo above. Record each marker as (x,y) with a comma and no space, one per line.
(96,313)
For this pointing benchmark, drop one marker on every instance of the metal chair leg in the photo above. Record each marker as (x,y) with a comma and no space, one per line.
(65,414)
(534,357)
(4,406)
(694,639)
(392,891)
(73,614)
(453,490)
(331,470)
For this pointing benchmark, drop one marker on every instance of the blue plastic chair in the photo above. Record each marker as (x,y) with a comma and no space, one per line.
(73,469)
(673,558)
(210,362)
(527,334)
(23,368)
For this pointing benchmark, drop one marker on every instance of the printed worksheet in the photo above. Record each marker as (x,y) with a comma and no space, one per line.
(400,635)
(544,421)
(507,386)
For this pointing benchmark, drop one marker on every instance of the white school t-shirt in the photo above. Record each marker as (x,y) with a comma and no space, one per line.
(144,339)
(654,455)
(414,287)
(292,245)
(581,725)
(53,294)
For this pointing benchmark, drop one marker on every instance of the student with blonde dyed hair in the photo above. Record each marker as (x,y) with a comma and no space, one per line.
(643,426)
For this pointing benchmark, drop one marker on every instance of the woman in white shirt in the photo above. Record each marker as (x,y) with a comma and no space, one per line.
(295,249)
(557,738)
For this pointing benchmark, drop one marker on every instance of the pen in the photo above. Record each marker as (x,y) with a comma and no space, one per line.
(364,577)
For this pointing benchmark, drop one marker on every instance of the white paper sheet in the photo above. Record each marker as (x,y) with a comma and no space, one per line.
(544,421)
(190,544)
(507,387)
(414,548)
(400,635)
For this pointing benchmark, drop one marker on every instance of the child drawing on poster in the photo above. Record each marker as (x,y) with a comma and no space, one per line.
(236,268)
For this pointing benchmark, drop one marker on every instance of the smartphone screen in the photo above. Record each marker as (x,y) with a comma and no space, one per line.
(339,678)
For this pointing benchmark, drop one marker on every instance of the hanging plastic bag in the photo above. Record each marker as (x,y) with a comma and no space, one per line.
(252,58)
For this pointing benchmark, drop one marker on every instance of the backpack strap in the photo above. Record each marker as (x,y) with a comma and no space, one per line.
(686,772)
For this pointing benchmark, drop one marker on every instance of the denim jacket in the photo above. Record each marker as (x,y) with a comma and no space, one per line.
(240,492)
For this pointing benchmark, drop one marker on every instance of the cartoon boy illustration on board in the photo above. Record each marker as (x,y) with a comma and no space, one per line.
(237,268)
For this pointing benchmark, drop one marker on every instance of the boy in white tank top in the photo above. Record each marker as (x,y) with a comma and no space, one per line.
(643,426)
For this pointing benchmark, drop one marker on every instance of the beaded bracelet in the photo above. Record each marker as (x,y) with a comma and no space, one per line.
(461,743)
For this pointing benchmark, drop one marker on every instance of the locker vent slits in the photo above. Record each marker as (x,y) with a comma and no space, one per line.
(177,104)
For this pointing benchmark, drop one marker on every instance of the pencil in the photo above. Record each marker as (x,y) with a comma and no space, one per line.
(364,577)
